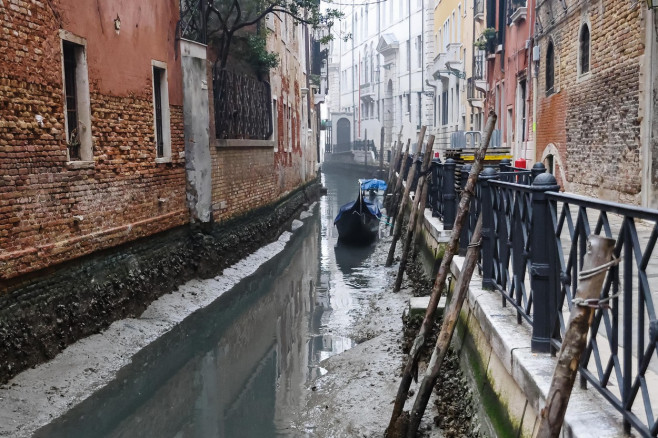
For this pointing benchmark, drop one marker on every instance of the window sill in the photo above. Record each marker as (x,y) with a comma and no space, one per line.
(75,165)
(245,143)
(163,160)
(584,76)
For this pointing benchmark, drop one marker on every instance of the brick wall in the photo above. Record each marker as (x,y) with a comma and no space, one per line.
(124,194)
(255,174)
(594,119)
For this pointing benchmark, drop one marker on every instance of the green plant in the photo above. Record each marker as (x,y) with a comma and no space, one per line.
(314,79)
(259,57)
(489,33)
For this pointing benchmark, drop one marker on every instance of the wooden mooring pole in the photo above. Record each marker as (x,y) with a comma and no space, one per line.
(399,214)
(421,193)
(598,260)
(447,330)
(439,283)
(392,165)
(399,187)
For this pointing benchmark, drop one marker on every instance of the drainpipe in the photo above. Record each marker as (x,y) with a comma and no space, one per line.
(409,62)
(422,61)
(352,73)
(428,83)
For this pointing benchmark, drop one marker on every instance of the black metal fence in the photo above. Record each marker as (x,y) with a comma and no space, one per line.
(534,239)
(192,23)
(242,106)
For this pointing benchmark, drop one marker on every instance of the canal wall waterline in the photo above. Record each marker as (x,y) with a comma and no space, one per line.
(37,397)
(43,314)
(511,381)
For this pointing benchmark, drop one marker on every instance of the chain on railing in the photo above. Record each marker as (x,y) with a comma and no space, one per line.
(242,106)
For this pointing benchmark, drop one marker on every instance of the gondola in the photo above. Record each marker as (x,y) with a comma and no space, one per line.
(358,221)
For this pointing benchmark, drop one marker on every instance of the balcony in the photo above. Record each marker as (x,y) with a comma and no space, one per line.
(478,10)
(479,71)
(475,97)
(448,61)
(367,91)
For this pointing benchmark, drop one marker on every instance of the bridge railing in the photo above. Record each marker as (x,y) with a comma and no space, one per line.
(534,240)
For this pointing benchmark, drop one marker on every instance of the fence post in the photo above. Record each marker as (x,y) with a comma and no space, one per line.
(543,278)
(537,169)
(505,165)
(434,194)
(449,197)
(463,238)
(486,209)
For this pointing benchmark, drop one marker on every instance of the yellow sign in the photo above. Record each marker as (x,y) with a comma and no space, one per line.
(488,157)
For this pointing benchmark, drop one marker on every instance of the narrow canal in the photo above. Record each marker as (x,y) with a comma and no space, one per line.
(245,364)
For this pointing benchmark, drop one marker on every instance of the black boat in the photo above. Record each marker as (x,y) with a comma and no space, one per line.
(358,221)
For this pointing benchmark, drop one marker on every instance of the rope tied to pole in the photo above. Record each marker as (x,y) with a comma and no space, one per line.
(597,303)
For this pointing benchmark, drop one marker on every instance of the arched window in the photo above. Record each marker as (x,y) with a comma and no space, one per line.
(584,49)
(550,68)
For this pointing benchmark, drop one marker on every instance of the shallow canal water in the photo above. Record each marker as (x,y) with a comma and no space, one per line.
(242,366)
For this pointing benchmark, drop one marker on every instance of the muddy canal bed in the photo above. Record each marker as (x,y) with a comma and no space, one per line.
(302,338)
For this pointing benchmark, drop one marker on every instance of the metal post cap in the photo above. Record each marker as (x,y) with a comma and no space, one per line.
(539,166)
(506,161)
(450,162)
(544,180)
(488,172)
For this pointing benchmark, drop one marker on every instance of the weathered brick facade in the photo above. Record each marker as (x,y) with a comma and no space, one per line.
(52,209)
(591,123)
(247,174)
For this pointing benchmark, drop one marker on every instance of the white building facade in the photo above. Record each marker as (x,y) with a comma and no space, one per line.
(378,66)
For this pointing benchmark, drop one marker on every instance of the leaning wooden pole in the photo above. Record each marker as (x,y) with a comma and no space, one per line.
(421,193)
(380,174)
(399,187)
(439,282)
(595,266)
(392,165)
(399,214)
(447,329)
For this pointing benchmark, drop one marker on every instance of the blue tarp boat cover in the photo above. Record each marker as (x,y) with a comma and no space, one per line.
(373,208)
(373,184)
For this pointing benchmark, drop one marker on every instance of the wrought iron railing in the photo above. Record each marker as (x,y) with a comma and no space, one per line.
(478,7)
(192,23)
(478,66)
(532,250)
(242,106)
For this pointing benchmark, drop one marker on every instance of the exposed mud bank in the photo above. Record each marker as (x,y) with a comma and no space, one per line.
(355,396)
(43,314)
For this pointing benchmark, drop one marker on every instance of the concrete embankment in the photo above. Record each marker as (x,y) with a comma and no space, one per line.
(42,315)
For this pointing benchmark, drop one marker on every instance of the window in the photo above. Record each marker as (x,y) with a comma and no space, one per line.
(584,49)
(408,55)
(289,136)
(550,68)
(161,111)
(444,108)
(521,109)
(76,97)
(419,51)
(275,123)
